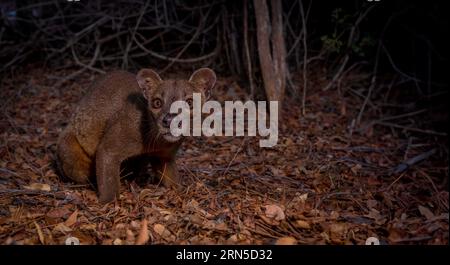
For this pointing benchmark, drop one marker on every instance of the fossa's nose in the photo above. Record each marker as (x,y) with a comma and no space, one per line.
(168,119)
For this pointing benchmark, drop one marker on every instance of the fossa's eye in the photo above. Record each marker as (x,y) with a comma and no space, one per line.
(157,103)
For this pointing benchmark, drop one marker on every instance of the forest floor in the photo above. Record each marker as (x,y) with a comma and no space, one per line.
(318,185)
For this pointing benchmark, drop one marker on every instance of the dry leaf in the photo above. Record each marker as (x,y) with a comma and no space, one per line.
(33,215)
(143,236)
(233,239)
(343,109)
(40,234)
(107,242)
(130,237)
(334,215)
(221,226)
(72,219)
(58,213)
(374,214)
(302,224)
(213,225)
(61,227)
(371,203)
(276,171)
(356,168)
(117,241)
(88,227)
(159,229)
(165,212)
(338,229)
(303,197)
(195,219)
(275,212)
(193,204)
(120,226)
(286,241)
(288,141)
(325,236)
(163,232)
(134,224)
(397,235)
(150,193)
(38,186)
(426,212)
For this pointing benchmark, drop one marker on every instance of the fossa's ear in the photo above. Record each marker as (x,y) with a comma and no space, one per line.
(148,79)
(204,79)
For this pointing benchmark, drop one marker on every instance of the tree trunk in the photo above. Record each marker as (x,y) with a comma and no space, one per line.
(272,60)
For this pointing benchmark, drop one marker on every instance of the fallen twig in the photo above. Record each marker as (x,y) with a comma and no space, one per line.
(410,128)
(59,195)
(412,161)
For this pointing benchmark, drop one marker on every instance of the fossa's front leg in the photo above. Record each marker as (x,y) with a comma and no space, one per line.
(108,160)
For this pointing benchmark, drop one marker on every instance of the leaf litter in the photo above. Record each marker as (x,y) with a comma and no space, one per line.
(317,186)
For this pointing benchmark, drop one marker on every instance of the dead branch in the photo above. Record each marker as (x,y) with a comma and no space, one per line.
(406,128)
(305,58)
(412,161)
(247,50)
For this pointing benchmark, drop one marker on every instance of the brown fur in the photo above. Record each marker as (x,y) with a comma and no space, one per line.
(120,118)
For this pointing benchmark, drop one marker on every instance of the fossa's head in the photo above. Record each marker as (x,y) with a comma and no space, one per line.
(160,94)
